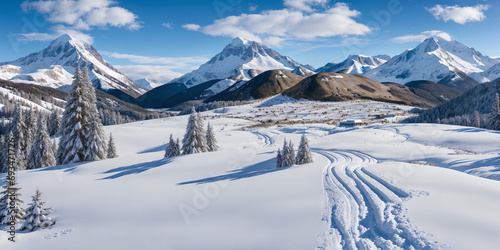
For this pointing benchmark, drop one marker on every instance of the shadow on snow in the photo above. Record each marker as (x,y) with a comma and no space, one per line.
(261,168)
(134,169)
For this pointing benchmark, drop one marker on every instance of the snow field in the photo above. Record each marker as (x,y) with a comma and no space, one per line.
(361,191)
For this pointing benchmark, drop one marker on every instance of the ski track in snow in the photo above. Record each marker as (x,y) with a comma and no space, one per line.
(268,140)
(362,210)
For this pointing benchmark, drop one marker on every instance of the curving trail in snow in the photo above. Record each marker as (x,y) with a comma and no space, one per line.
(364,211)
(268,140)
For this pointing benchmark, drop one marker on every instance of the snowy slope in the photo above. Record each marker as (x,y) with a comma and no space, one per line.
(368,186)
(434,59)
(148,84)
(54,67)
(240,60)
(355,64)
(491,74)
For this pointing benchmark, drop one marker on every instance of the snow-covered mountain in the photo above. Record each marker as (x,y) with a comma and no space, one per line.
(355,64)
(148,84)
(240,60)
(303,71)
(448,62)
(54,67)
(488,75)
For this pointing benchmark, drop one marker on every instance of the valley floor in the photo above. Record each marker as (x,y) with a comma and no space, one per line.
(383,185)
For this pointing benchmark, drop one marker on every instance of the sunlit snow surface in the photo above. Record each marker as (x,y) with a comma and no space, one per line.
(384,185)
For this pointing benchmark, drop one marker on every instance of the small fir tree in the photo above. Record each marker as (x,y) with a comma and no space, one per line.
(211,141)
(279,159)
(41,154)
(194,140)
(36,215)
(111,147)
(304,154)
(173,148)
(291,154)
(14,212)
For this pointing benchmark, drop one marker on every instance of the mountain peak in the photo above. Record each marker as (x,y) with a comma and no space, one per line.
(62,39)
(238,41)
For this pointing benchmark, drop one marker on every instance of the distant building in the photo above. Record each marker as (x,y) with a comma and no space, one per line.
(352,123)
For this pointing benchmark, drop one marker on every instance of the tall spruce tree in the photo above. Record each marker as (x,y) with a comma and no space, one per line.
(36,215)
(41,154)
(31,129)
(19,131)
(82,134)
(494,117)
(96,142)
(194,140)
(291,154)
(211,141)
(285,155)
(54,122)
(111,147)
(72,142)
(304,154)
(14,212)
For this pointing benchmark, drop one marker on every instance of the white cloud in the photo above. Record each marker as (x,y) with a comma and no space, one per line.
(159,73)
(83,14)
(289,24)
(459,14)
(162,69)
(190,26)
(58,30)
(421,37)
(173,62)
(253,7)
(304,5)
(168,25)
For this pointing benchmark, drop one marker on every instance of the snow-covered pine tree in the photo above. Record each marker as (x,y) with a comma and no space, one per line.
(96,142)
(72,142)
(82,135)
(36,215)
(194,140)
(18,128)
(279,159)
(31,129)
(95,148)
(14,210)
(111,147)
(285,155)
(41,154)
(494,117)
(54,122)
(291,154)
(304,154)
(177,149)
(476,119)
(211,141)
(173,148)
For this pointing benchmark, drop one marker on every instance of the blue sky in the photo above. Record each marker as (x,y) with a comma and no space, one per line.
(164,39)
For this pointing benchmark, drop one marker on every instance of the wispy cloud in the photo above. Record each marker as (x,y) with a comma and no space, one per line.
(459,14)
(58,30)
(298,21)
(168,25)
(191,26)
(162,69)
(159,73)
(421,37)
(178,62)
